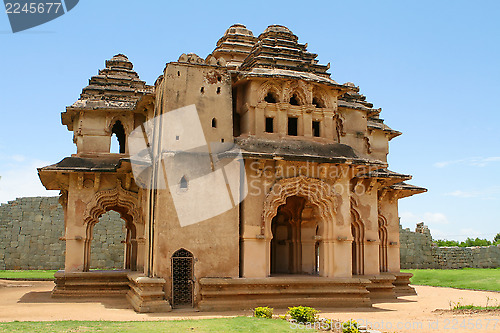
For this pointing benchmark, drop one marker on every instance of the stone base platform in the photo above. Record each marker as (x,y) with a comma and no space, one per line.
(402,284)
(381,286)
(146,294)
(219,294)
(91,284)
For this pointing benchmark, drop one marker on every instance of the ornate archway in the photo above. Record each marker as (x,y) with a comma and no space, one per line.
(317,193)
(126,204)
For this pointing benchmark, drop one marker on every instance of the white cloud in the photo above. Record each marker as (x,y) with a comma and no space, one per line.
(472,161)
(19,178)
(463,194)
(486,193)
(409,219)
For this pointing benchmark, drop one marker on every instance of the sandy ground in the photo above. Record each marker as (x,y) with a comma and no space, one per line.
(31,301)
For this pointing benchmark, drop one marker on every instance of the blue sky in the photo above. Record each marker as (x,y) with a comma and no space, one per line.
(433,67)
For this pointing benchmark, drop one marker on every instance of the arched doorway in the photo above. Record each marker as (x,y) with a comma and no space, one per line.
(294,243)
(317,221)
(182,278)
(98,251)
(125,203)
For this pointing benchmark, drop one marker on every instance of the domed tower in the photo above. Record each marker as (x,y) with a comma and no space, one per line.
(235,45)
(114,103)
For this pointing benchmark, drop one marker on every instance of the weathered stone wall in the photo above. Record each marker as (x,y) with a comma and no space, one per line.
(30,229)
(415,248)
(418,251)
(461,257)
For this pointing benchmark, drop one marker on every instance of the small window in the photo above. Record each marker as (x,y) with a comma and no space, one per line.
(214,123)
(316,128)
(294,100)
(219,78)
(218,90)
(178,73)
(270,98)
(118,132)
(222,140)
(269,125)
(318,103)
(183,184)
(202,90)
(292,126)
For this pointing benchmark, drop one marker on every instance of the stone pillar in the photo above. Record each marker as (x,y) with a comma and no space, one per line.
(327,130)
(260,121)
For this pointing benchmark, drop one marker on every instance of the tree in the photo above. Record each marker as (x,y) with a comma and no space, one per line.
(496,240)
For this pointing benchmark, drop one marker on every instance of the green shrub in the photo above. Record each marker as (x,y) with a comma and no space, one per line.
(303,314)
(350,326)
(263,312)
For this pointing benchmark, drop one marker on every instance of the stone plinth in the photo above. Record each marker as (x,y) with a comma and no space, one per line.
(218,294)
(401,284)
(381,286)
(91,284)
(146,294)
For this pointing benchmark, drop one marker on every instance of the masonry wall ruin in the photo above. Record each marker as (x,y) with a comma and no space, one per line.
(30,229)
(418,251)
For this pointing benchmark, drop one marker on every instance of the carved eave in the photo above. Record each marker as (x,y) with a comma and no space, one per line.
(377,124)
(385,177)
(53,180)
(300,150)
(404,190)
(273,74)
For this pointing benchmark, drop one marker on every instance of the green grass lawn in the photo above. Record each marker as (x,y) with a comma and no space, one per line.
(27,274)
(237,324)
(466,278)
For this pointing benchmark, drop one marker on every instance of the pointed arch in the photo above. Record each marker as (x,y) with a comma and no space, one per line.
(126,204)
(382,234)
(269,88)
(358,236)
(317,193)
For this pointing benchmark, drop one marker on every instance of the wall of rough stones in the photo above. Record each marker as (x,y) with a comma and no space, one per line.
(30,229)
(418,251)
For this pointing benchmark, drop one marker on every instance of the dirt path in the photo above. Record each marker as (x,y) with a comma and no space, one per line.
(31,301)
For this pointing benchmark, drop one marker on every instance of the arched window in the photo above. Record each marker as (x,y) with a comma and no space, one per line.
(318,102)
(214,123)
(270,97)
(118,132)
(294,100)
(183,184)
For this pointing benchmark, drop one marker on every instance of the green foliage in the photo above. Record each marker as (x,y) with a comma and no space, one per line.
(303,314)
(350,326)
(28,274)
(263,312)
(467,243)
(466,278)
(496,240)
(220,325)
(460,306)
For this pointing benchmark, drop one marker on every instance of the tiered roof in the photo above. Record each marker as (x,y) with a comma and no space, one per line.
(235,45)
(278,47)
(354,100)
(115,87)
